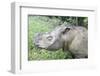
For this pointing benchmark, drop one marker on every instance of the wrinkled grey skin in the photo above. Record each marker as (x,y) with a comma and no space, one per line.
(70,38)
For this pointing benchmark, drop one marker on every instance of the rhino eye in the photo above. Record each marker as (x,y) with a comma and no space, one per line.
(49,38)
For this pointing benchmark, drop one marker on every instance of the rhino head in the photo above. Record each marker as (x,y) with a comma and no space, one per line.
(51,40)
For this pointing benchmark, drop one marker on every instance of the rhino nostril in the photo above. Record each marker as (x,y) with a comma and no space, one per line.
(37,45)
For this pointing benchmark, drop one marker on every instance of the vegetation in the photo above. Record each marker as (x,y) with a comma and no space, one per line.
(44,24)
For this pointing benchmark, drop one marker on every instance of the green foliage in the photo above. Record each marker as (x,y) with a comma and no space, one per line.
(45,54)
(38,24)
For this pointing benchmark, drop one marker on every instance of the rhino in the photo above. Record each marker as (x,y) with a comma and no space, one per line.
(68,38)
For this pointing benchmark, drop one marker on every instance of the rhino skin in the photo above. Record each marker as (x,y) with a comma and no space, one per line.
(70,38)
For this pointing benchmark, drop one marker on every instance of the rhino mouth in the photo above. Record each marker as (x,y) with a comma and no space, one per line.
(39,47)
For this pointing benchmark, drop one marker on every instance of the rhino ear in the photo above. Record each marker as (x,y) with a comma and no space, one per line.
(66,30)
